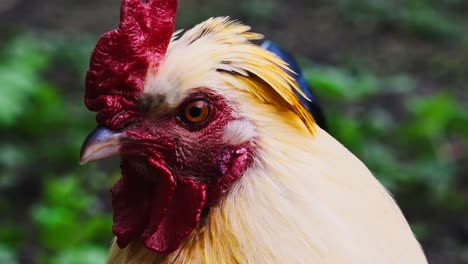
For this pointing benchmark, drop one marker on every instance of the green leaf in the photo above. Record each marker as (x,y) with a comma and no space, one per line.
(429,21)
(17,86)
(88,254)
(44,111)
(341,84)
(20,77)
(11,235)
(346,130)
(7,256)
(68,213)
(67,192)
(431,115)
(57,224)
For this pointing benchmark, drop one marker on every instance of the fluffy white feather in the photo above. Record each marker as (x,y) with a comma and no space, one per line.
(239,131)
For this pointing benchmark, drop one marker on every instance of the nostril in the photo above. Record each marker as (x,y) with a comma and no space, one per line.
(128,124)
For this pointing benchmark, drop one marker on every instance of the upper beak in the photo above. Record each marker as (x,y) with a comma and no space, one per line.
(101,143)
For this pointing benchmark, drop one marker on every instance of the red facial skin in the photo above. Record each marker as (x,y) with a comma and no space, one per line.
(171,171)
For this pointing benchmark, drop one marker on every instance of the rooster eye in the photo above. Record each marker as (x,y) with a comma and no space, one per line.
(196,112)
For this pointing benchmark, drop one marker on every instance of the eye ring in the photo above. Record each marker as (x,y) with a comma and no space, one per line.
(195,112)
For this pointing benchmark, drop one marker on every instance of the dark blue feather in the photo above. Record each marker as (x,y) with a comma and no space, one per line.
(313,105)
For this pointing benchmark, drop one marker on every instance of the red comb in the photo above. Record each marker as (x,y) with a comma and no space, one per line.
(121,59)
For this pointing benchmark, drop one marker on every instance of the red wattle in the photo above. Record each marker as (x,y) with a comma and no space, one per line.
(162,197)
(149,205)
(183,216)
(130,207)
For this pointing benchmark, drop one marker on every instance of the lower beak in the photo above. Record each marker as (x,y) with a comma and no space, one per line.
(101,143)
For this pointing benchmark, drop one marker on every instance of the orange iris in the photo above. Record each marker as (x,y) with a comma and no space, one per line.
(195,112)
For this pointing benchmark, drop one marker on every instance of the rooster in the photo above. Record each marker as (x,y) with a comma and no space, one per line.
(220,160)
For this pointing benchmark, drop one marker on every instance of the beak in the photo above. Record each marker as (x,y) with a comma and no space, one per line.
(101,143)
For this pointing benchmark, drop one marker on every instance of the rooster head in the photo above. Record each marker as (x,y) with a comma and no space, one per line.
(181,114)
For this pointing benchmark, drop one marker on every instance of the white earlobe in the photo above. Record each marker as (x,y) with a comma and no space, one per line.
(239,131)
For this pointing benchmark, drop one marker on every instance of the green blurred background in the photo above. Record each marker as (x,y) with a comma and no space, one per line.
(392,76)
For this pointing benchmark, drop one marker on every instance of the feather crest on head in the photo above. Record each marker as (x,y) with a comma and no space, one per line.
(221,49)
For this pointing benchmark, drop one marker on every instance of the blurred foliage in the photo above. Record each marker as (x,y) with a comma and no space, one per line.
(42,129)
(434,19)
(411,140)
(61,216)
(402,148)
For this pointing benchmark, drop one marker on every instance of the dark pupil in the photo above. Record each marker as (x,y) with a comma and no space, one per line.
(195,111)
